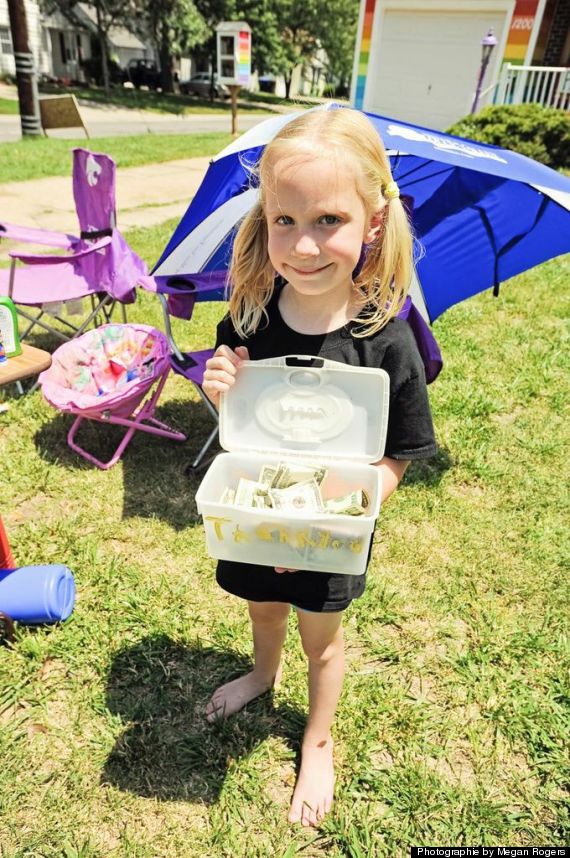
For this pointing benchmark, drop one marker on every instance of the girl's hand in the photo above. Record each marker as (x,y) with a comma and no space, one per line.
(221,371)
(281,569)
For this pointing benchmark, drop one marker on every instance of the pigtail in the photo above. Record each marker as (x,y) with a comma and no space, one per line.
(385,277)
(251,276)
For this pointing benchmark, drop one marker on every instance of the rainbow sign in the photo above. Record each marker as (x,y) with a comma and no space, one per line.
(244,57)
(364,55)
(522,25)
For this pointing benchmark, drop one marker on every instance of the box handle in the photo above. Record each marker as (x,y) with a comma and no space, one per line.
(305,361)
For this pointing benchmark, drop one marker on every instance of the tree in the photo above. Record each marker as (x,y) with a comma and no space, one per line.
(298,24)
(108,13)
(267,53)
(175,26)
(337,36)
(304,27)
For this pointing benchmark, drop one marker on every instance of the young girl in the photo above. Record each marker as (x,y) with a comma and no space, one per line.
(320,266)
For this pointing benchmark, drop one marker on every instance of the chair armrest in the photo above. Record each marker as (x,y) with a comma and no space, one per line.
(34,235)
(52,259)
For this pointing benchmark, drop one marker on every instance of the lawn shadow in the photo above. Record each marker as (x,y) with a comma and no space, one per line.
(428,472)
(158,480)
(159,688)
(143,453)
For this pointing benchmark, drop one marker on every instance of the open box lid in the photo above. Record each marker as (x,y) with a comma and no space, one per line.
(301,405)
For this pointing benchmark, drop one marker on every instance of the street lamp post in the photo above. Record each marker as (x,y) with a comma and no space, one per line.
(488,42)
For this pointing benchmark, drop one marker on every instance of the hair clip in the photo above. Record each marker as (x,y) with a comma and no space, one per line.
(391,191)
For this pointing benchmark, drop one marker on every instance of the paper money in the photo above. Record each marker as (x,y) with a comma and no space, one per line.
(293,488)
(228,495)
(247,490)
(301,497)
(267,475)
(354,503)
(289,474)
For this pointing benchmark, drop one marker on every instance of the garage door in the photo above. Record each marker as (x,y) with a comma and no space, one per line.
(424,64)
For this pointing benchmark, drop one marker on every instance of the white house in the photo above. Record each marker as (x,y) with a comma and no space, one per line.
(40,40)
(419,60)
(60,44)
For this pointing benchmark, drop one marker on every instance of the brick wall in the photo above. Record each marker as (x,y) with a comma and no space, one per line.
(557,46)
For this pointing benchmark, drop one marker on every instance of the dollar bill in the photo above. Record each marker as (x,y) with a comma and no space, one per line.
(228,495)
(247,490)
(289,474)
(267,475)
(300,497)
(354,503)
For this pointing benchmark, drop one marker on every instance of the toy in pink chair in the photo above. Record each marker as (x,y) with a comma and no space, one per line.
(104,375)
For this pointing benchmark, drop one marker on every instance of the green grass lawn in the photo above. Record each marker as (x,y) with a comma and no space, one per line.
(147,100)
(37,157)
(7,105)
(453,726)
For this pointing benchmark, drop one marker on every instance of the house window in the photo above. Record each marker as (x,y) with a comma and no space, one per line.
(5,41)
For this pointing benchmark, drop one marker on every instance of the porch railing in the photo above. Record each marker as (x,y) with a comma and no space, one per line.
(546,85)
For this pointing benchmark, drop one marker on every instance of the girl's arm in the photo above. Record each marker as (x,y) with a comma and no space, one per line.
(392,471)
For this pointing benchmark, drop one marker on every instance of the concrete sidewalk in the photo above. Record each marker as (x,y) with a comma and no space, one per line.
(146,196)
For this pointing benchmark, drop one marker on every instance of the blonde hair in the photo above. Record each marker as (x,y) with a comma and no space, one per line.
(383,281)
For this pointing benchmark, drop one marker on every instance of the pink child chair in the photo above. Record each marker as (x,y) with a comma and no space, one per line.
(104,376)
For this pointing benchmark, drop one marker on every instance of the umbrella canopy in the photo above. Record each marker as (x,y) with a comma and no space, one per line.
(481,214)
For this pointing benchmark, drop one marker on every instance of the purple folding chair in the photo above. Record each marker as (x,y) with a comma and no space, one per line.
(178,295)
(99,264)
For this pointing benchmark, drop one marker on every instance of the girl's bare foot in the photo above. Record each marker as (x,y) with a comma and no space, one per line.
(234,695)
(313,794)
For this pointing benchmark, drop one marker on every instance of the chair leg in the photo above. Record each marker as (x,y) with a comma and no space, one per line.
(90,458)
(211,437)
(36,320)
(137,422)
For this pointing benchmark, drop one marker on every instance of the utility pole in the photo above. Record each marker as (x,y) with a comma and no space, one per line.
(25,74)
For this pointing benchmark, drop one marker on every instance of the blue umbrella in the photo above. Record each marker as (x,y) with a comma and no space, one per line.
(481,214)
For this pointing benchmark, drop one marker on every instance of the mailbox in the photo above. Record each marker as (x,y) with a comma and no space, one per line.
(233,42)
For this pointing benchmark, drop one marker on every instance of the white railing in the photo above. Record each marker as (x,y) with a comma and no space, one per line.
(546,85)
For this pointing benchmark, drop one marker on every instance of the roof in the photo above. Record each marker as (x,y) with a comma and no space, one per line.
(119,37)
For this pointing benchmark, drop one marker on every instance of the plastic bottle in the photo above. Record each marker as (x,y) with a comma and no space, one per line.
(37,594)
(9,328)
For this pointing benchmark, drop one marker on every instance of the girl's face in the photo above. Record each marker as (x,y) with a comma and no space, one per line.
(316,223)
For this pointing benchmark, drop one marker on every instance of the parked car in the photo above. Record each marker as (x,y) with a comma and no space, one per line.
(94,72)
(143,72)
(200,83)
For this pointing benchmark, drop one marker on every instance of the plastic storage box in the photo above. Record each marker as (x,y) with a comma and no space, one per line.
(298,409)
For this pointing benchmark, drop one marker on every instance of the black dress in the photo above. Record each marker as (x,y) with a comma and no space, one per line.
(410,435)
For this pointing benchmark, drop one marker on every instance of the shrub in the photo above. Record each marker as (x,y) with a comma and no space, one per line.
(542,133)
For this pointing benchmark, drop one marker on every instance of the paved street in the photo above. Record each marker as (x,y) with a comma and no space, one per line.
(104,121)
